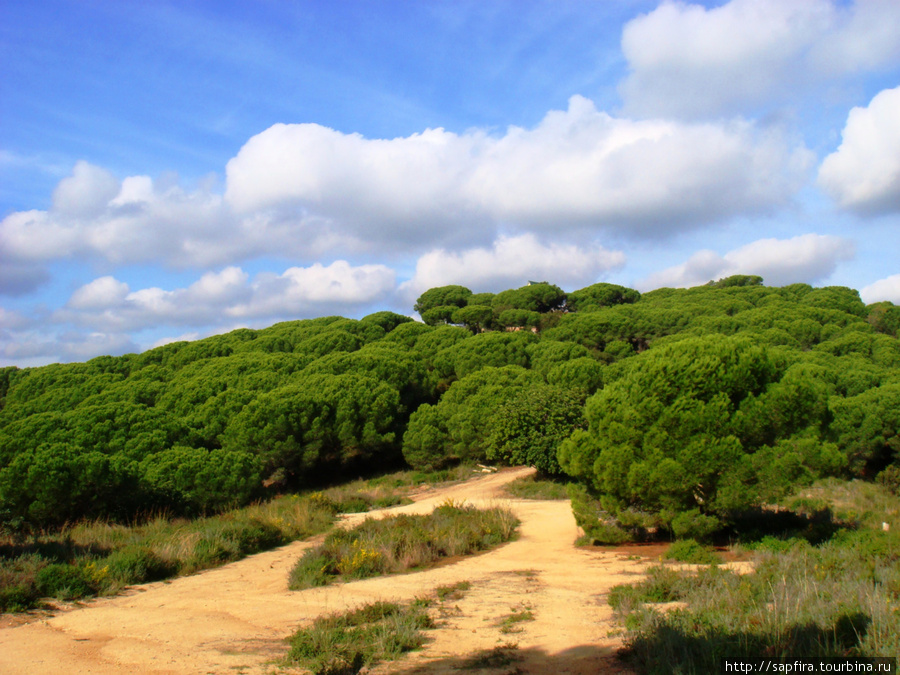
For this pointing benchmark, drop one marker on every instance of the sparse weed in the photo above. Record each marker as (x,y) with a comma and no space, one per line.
(452,591)
(510,622)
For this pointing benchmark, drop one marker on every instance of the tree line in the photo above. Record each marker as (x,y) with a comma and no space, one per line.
(675,409)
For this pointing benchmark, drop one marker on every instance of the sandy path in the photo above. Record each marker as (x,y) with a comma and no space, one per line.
(234,619)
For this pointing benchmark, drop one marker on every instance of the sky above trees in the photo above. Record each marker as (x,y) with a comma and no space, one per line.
(172,170)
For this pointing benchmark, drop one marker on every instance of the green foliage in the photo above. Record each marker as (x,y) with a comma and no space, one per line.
(387,320)
(318,423)
(678,431)
(690,551)
(476,318)
(600,295)
(529,427)
(136,564)
(519,318)
(535,297)
(457,429)
(349,642)
(483,350)
(883,317)
(867,428)
(63,582)
(202,481)
(397,543)
(538,487)
(119,436)
(737,280)
(442,314)
(443,296)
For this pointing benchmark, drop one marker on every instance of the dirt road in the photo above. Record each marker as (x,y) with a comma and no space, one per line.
(234,619)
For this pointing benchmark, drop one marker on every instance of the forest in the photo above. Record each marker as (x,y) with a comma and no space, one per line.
(674,410)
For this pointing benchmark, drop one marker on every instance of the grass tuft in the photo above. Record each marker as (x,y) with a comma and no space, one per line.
(381,631)
(399,543)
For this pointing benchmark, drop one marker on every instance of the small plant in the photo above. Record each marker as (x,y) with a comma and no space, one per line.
(346,643)
(689,551)
(452,591)
(510,622)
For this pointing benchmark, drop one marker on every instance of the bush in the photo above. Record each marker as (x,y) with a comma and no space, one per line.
(63,581)
(346,643)
(598,526)
(689,551)
(136,565)
(890,479)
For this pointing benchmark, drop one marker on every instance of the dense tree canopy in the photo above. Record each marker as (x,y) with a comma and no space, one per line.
(676,408)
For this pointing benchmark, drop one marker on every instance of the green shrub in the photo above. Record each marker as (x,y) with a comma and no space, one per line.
(690,551)
(890,478)
(694,525)
(18,597)
(136,565)
(346,643)
(63,581)
(598,526)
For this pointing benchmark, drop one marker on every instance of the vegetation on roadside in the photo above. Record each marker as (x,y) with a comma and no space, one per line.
(100,558)
(346,643)
(537,487)
(399,543)
(833,598)
(380,631)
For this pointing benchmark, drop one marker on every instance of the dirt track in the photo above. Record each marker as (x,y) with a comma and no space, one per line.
(234,619)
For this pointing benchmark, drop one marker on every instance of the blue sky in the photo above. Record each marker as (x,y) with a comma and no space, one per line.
(171,170)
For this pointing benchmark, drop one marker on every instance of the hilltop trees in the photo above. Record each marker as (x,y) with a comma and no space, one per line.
(675,409)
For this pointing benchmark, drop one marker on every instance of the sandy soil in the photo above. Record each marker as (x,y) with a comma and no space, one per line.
(235,619)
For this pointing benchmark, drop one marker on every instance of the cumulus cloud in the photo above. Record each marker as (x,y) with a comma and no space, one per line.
(107,304)
(689,61)
(884,289)
(577,168)
(863,174)
(511,262)
(306,191)
(806,258)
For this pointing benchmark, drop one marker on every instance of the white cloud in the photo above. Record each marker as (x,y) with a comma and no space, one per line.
(883,289)
(109,305)
(304,191)
(86,192)
(577,168)
(806,258)
(336,289)
(689,61)
(510,263)
(863,174)
(99,294)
